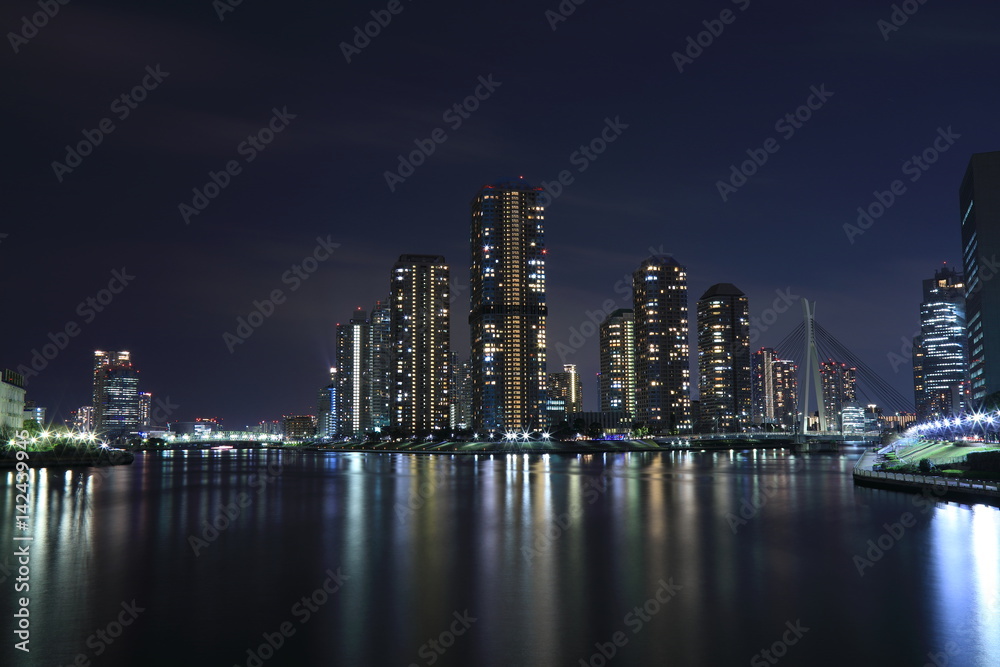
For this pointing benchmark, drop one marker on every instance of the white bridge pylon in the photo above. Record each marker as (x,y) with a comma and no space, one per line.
(812,368)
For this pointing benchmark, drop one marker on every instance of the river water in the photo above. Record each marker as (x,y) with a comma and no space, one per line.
(679,558)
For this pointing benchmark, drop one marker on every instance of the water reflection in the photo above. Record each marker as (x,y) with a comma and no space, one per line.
(550,553)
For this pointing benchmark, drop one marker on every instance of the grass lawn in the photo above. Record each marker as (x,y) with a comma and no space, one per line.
(938,451)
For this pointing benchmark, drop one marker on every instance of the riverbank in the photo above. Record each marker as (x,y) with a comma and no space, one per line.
(101,457)
(950,489)
(542,447)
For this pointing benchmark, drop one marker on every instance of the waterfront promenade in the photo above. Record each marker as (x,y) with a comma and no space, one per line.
(956,489)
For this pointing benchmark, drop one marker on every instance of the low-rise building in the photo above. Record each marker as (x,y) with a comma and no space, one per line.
(300,427)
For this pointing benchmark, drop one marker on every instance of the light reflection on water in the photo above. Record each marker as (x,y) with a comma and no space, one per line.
(550,553)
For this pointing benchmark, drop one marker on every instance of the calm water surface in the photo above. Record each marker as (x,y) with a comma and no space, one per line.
(537,560)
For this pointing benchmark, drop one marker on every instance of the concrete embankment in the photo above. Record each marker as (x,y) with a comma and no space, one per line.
(112,457)
(961,490)
(546,447)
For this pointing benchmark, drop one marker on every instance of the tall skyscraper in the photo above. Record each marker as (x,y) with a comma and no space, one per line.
(724,359)
(116,394)
(774,390)
(508,311)
(381,362)
(326,409)
(354,414)
(941,358)
(145,409)
(422,342)
(461,393)
(979,201)
(82,419)
(568,386)
(273,427)
(617,377)
(839,388)
(663,356)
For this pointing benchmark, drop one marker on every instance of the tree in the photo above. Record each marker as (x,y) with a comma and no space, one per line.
(395,432)
(992,402)
(562,431)
(594,431)
(639,430)
(31,426)
(924,466)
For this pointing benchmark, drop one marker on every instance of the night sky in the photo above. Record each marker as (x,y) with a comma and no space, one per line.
(343,125)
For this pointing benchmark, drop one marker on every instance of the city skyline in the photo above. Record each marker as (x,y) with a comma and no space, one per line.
(544,333)
(382,353)
(653,185)
(384,336)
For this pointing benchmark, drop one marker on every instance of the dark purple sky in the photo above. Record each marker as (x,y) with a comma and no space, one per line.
(323,175)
